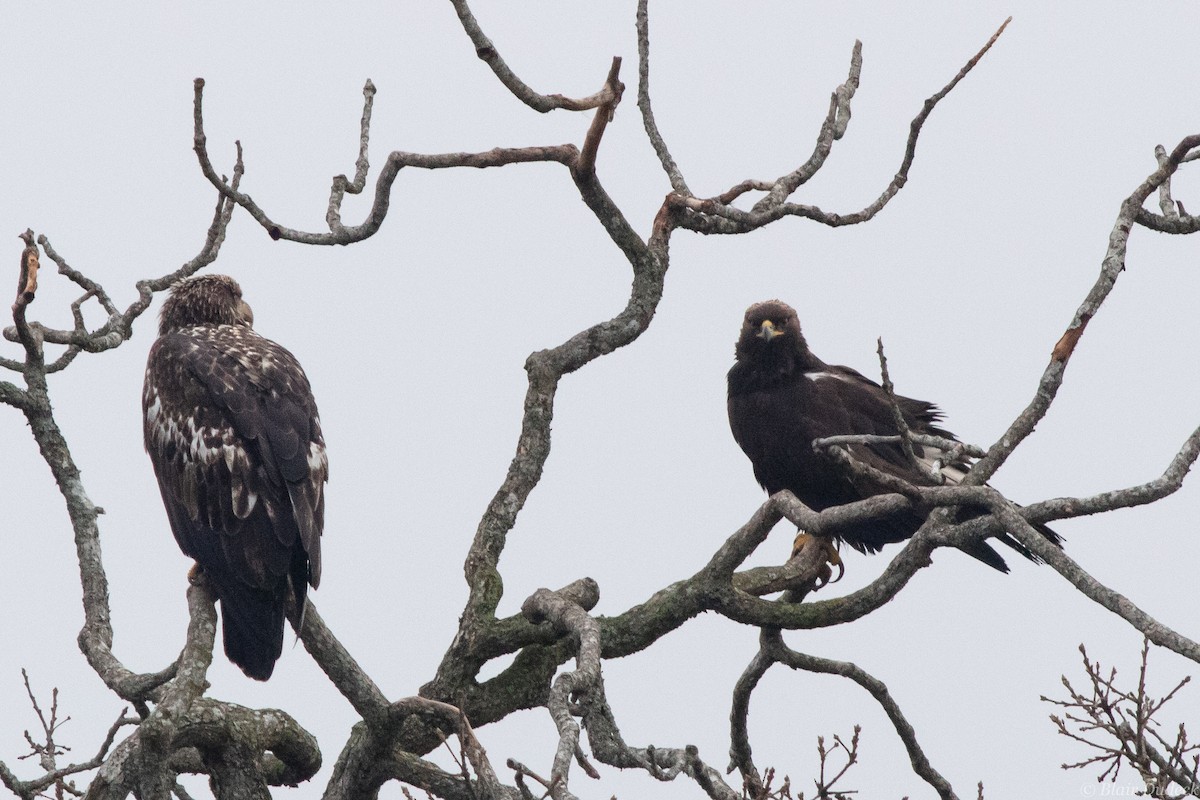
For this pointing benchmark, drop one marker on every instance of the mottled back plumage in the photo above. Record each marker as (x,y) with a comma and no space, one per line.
(232,430)
(782,397)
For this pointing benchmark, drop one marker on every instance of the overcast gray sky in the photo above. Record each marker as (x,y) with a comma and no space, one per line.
(970,276)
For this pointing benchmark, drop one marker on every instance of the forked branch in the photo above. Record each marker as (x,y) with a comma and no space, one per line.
(716,215)
(581,162)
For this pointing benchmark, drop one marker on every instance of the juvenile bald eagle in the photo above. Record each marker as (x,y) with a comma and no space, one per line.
(232,431)
(782,397)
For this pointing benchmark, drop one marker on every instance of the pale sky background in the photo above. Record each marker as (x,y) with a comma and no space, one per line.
(970,276)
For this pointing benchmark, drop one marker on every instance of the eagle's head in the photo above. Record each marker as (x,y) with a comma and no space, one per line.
(771,332)
(204,300)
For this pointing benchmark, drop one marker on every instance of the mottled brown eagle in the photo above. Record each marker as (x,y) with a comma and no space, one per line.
(232,430)
(782,397)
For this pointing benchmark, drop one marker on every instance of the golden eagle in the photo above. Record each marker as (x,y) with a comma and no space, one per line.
(232,431)
(782,397)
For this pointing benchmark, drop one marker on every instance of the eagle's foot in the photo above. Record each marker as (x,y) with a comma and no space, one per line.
(832,557)
(196,575)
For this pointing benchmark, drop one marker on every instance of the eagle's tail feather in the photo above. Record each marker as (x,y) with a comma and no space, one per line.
(1046,533)
(252,628)
(984,552)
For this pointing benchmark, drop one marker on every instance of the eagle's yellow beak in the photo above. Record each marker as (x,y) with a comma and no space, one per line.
(768,331)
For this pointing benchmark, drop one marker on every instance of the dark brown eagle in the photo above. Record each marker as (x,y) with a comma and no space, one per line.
(782,397)
(232,430)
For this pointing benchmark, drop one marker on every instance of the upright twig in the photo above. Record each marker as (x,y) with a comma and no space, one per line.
(674,174)
(714,215)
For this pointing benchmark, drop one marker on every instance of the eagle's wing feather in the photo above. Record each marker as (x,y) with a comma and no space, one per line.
(865,408)
(861,406)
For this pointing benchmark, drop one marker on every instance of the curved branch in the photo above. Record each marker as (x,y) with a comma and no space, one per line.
(119,327)
(156,734)
(1166,484)
(1173,219)
(585,166)
(715,216)
(920,763)
(1181,224)
(339,233)
(581,163)
(740,755)
(716,588)
(566,616)
(582,692)
(1111,267)
(678,184)
(834,127)
(95,639)
(455,720)
(341,185)
(486,50)
(545,369)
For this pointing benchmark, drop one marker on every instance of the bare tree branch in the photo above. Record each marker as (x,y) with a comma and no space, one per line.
(567,617)
(678,184)
(832,129)
(585,166)
(582,163)
(456,720)
(1129,730)
(95,639)
(715,216)
(244,751)
(27,790)
(1115,602)
(1183,224)
(740,752)
(1174,219)
(339,233)
(920,763)
(341,184)
(489,55)
(341,668)
(1111,267)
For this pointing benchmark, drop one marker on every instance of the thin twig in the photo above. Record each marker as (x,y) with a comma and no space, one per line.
(674,175)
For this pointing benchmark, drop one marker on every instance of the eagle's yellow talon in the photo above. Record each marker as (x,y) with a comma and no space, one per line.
(832,557)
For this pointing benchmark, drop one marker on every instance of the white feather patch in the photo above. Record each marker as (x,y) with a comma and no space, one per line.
(816,376)
(317,460)
(155,408)
(202,448)
(934,461)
